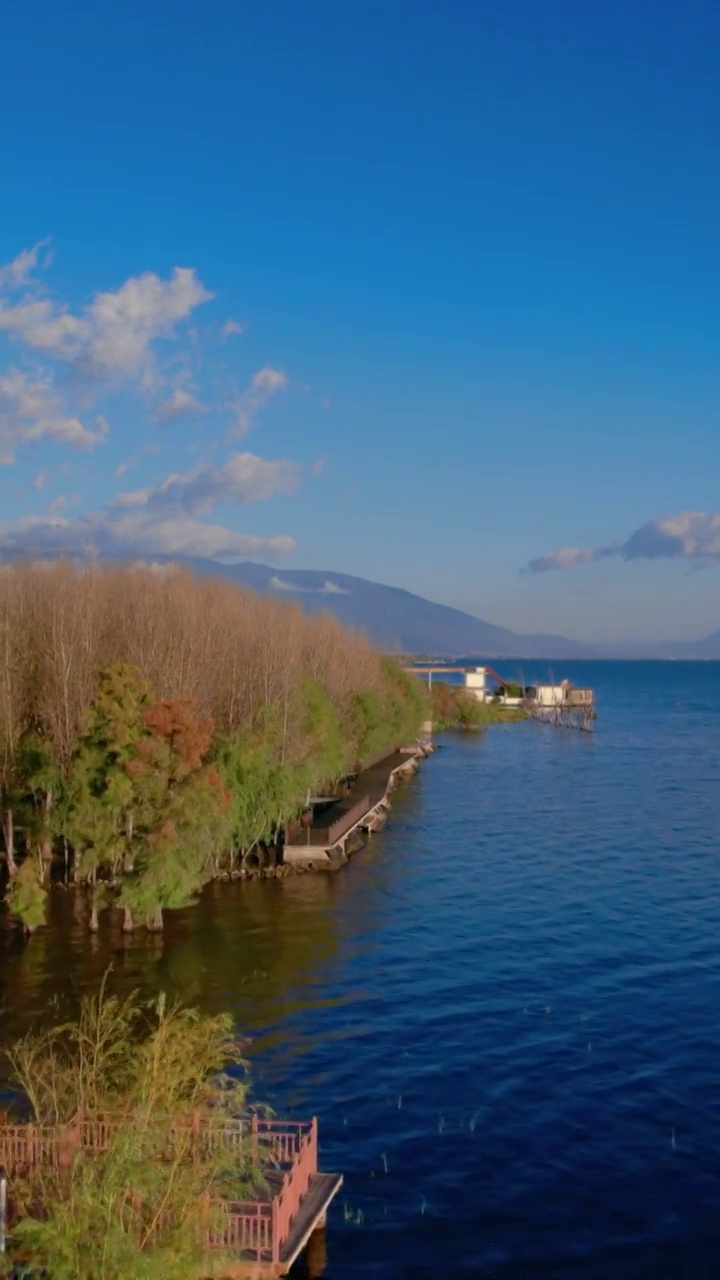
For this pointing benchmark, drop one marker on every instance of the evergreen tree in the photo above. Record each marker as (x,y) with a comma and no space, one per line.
(40,810)
(101,793)
(27,896)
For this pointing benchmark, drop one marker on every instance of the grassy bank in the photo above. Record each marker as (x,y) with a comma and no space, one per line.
(454,708)
(154,727)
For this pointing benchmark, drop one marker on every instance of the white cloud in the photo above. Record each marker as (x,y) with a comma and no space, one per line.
(230,329)
(74,357)
(131,535)
(31,410)
(689,535)
(124,323)
(564,558)
(112,337)
(18,273)
(58,333)
(278,584)
(40,480)
(268,380)
(244,478)
(109,341)
(243,408)
(686,535)
(180,405)
(328,588)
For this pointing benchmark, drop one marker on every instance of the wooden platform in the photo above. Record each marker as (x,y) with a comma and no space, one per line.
(255,1239)
(310,1216)
(323,841)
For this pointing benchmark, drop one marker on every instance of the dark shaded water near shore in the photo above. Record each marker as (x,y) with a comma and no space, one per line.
(505,1012)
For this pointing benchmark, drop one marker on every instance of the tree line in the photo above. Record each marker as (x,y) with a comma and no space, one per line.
(154,727)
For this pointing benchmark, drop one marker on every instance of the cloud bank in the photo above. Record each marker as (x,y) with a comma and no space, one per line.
(61,365)
(112,337)
(121,535)
(31,409)
(686,535)
(244,478)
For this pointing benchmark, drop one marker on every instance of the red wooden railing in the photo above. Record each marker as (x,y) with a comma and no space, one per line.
(245,1228)
(295,1184)
(255,1228)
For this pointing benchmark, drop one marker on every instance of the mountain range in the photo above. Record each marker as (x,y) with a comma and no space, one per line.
(394,619)
(402,622)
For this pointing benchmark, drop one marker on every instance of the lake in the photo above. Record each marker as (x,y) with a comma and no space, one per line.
(505,1012)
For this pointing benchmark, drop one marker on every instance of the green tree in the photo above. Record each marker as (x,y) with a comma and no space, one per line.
(328,753)
(26,896)
(101,794)
(40,809)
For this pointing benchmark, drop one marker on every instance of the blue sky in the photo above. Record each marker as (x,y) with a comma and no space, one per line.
(424,293)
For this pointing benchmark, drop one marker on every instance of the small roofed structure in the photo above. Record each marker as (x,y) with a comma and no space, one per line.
(561,704)
(563,694)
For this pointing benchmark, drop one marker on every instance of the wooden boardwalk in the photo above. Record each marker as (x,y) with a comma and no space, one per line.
(324,840)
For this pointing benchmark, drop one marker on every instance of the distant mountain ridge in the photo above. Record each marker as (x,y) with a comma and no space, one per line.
(706,649)
(395,619)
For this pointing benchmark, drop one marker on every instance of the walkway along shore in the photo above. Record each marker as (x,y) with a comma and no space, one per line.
(335,827)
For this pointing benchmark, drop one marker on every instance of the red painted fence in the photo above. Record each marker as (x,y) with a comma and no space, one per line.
(255,1228)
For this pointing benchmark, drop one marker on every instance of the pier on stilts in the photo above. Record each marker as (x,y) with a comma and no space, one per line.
(561,705)
(558,704)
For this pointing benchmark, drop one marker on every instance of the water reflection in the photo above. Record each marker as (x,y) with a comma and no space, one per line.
(259,950)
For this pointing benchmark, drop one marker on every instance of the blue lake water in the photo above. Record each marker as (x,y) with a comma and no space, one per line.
(505,1012)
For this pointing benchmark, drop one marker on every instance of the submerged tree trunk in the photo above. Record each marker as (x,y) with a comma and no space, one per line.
(155,922)
(94,923)
(46,844)
(8,826)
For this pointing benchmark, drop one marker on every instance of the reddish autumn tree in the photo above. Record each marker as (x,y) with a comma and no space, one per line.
(179,804)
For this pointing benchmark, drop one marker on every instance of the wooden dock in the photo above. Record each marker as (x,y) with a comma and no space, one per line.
(328,836)
(257,1239)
